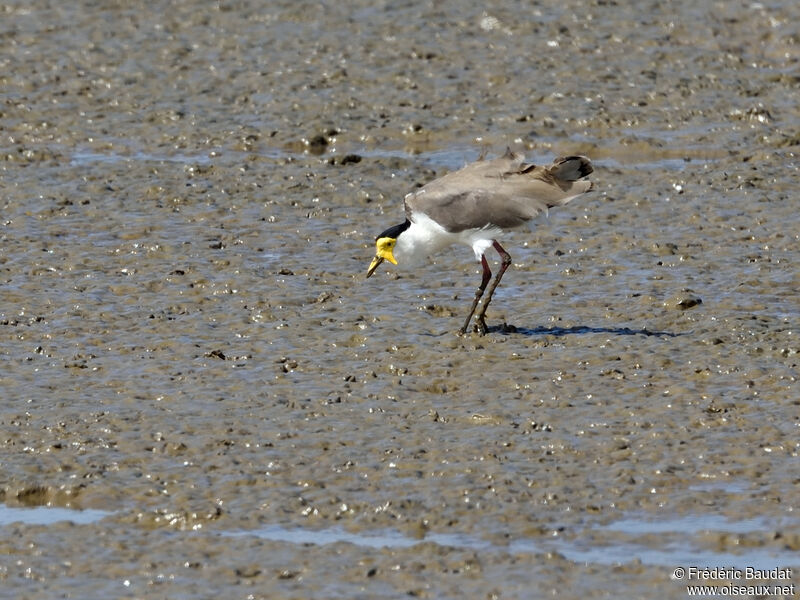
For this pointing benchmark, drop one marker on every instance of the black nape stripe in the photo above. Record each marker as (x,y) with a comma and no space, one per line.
(395,231)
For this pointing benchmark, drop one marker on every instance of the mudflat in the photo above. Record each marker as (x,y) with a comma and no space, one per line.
(202,395)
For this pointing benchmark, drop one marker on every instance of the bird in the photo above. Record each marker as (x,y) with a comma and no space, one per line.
(474,206)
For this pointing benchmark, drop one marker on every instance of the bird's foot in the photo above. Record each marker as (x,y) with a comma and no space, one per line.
(480,326)
(465,326)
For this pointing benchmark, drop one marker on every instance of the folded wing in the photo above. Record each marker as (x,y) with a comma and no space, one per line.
(503,192)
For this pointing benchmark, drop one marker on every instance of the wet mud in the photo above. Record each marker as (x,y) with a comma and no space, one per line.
(190,195)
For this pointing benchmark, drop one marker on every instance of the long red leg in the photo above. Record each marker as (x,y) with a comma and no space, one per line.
(505,258)
(487,275)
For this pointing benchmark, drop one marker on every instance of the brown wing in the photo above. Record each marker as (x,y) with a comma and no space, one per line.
(503,192)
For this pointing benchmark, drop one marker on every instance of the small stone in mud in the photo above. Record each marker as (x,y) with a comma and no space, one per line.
(317,144)
(345,160)
(248,571)
(33,496)
(287,574)
(438,310)
(686,301)
(289,365)
(664,248)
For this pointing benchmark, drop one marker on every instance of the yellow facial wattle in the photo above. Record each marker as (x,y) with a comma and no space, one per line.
(384,247)
(383,251)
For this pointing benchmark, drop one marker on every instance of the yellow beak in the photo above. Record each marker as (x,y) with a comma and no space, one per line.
(374,265)
(384,254)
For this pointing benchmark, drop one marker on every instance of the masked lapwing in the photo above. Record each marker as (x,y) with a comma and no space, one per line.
(475,206)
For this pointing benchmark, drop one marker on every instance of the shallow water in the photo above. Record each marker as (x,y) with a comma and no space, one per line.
(45,515)
(190,196)
(673,552)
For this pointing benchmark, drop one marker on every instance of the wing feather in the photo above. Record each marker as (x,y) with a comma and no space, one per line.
(503,192)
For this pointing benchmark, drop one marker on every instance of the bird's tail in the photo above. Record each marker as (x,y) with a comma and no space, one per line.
(568,173)
(571,168)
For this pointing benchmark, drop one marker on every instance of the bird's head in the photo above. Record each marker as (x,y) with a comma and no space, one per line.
(384,246)
(383,251)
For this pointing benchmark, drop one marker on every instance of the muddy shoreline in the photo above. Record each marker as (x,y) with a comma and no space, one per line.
(190,196)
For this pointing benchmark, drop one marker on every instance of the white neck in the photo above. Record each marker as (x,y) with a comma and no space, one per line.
(423,238)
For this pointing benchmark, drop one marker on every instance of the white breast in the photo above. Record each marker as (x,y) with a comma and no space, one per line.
(426,237)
